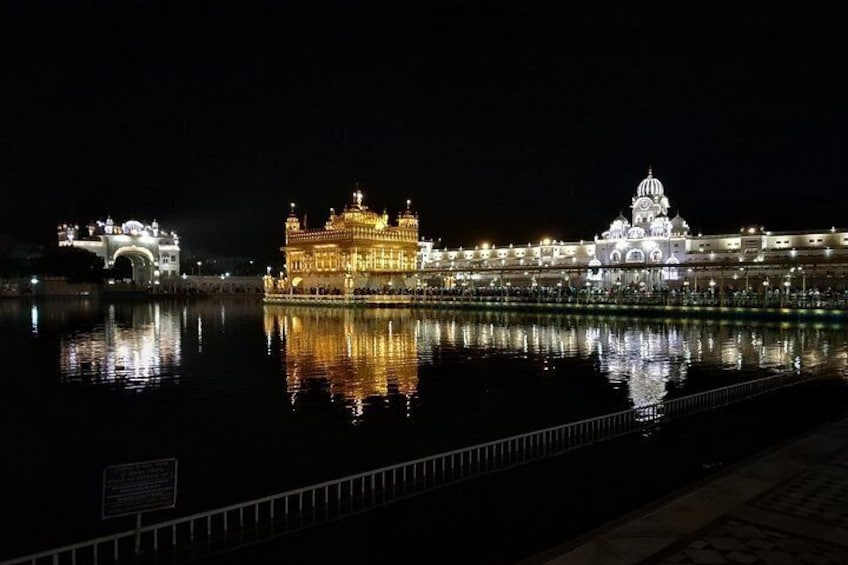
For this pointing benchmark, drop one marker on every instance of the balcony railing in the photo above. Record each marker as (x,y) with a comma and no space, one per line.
(294,509)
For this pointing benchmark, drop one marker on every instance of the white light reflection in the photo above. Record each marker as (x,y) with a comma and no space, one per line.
(136,350)
(33,317)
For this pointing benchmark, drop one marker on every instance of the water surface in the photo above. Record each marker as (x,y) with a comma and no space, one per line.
(255,399)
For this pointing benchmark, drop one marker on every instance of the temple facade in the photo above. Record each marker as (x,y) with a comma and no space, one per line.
(356,248)
(153,253)
(650,250)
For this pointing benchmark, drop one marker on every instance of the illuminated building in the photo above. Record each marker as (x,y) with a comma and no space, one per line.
(154,253)
(357,248)
(651,250)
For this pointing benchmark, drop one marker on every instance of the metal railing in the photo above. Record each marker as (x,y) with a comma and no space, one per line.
(353,493)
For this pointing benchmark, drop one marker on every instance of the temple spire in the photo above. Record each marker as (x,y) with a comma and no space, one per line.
(357,195)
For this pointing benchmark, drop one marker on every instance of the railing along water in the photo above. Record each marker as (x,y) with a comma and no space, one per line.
(354,493)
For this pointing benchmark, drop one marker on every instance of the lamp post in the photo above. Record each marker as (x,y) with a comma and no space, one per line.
(803,281)
(765,291)
(199,263)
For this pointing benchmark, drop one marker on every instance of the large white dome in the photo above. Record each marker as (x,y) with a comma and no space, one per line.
(650,186)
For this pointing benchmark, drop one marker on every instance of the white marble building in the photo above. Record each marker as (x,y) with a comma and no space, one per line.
(649,250)
(153,253)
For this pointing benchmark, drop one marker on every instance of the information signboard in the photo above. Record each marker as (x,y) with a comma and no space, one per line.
(134,488)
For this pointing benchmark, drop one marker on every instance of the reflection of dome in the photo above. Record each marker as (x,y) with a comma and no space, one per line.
(650,186)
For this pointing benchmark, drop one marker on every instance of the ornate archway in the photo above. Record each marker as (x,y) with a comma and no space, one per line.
(144,268)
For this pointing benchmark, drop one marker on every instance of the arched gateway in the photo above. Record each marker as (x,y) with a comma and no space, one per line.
(154,254)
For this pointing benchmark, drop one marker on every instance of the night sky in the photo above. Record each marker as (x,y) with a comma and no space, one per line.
(503,122)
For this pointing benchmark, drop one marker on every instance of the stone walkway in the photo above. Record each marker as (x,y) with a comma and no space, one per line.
(787,507)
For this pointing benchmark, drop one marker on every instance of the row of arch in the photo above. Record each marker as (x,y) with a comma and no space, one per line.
(638,256)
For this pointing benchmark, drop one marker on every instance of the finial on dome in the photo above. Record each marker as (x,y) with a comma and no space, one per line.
(291,204)
(650,171)
(357,195)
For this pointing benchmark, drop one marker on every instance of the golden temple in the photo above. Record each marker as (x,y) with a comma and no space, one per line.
(357,248)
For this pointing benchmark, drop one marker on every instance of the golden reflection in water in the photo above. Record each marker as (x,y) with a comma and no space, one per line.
(360,353)
(135,349)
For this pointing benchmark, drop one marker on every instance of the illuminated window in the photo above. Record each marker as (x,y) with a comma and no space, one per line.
(656,256)
(635,256)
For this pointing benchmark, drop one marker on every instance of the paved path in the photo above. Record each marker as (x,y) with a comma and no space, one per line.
(787,507)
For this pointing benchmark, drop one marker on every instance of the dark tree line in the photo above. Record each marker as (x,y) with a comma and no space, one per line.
(78,265)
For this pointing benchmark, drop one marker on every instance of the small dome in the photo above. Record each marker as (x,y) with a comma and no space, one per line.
(650,186)
(679,225)
(635,233)
(132,227)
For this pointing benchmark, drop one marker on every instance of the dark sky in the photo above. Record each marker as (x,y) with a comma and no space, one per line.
(501,121)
